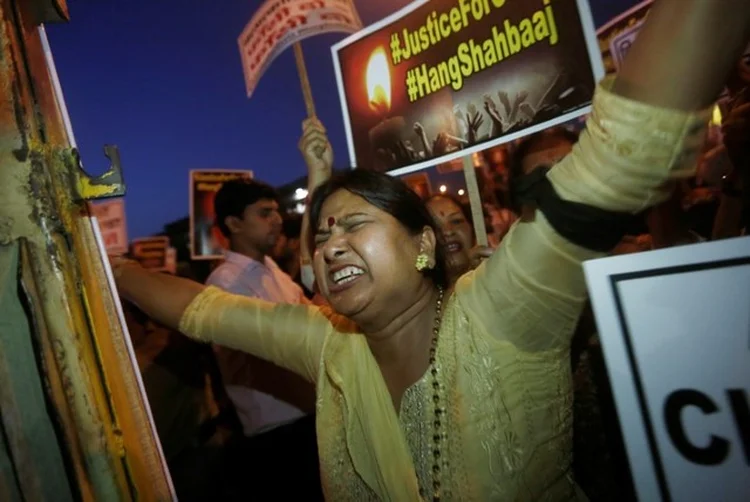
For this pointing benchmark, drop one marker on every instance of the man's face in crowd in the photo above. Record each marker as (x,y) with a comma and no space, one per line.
(260,226)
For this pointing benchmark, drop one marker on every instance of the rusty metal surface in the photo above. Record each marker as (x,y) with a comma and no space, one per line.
(91,383)
(48,11)
(109,184)
(30,463)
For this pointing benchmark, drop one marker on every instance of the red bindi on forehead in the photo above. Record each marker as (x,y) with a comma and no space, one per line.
(331,221)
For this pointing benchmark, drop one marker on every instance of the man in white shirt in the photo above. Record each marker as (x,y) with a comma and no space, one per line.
(248,215)
(271,402)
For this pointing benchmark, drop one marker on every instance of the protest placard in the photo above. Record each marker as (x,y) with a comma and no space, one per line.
(170,261)
(151,252)
(616,37)
(280,23)
(206,240)
(110,215)
(675,328)
(442,79)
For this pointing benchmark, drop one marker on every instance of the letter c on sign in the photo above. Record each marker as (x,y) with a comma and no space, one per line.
(718,448)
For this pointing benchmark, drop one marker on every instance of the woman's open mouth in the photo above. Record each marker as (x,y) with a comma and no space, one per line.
(453,247)
(343,277)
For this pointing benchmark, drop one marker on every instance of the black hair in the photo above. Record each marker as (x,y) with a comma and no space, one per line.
(235,195)
(525,146)
(292,227)
(389,194)
(529,142)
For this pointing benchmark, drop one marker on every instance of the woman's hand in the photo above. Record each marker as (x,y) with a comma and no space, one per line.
(478,254)
(318,155)
(120,264)
(316,150)
(714,166)
(162,297)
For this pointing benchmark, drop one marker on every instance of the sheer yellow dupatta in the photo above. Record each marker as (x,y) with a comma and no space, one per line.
(374,437)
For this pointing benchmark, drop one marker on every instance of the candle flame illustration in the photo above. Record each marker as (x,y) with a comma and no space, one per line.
(378,80)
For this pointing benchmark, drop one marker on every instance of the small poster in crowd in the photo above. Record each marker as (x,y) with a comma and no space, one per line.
(111,218)
(442,79)
(675,328)
(206,240)
(151,252)
(171,260)
(278,24)
(616,37)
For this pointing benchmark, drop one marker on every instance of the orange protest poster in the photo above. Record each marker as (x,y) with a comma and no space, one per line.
(110,215)
(151,252)
(206,240)
(443,79)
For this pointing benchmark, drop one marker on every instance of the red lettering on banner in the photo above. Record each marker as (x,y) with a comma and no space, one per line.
(258,59)
(266,28)
(278,21)
(281,14)
(335,16)
(295,21)
(315,4)
(271,40)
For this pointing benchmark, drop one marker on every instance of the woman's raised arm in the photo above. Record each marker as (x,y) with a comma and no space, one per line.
(684,53)
(645,131)
(318,155)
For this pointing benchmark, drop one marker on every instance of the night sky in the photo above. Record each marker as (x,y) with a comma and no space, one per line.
(162,80)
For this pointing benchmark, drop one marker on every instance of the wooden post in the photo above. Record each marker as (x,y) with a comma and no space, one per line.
(475,200)
(304,80)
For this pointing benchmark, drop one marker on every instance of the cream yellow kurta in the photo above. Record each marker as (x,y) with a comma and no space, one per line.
(503,352)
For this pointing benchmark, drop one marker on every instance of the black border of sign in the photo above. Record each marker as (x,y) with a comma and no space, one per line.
(615,279)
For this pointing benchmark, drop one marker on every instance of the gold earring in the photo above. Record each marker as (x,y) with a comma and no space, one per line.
(422,262)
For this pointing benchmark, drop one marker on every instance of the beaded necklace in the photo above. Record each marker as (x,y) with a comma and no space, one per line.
(437,424)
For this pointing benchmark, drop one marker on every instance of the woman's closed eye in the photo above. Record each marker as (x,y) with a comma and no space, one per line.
(354,226)
(321,238)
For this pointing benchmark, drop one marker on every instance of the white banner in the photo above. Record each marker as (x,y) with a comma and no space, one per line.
(621,43)
(111,218)
(675,329)
(616,37)
(280,23)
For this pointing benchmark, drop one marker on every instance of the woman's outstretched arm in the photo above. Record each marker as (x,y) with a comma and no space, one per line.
(291,336)
(162,297)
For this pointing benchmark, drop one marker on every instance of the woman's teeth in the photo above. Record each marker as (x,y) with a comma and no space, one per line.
(346,274)
(453,247)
